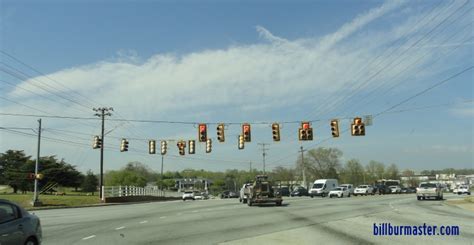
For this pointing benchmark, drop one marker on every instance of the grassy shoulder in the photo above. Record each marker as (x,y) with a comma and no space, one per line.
(51,200)
(465,203)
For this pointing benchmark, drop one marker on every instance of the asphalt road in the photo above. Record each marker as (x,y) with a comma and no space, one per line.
(299,221)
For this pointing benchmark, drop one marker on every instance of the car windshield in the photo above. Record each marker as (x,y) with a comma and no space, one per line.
(362,186)
(340,189)
(318,185)
(428,185)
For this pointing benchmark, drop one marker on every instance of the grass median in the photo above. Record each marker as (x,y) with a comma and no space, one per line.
(51,200)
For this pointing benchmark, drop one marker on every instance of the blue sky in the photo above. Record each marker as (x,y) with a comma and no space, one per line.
(236,62)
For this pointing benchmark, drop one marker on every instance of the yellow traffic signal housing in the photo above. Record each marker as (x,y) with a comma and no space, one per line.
(276,132)
(335,128)
(181,145)
(124,145)
(97,142)
(220,133)
(208,146)
(202,133)
(192,146)
(164,147)
(241,142)
(357,127)
(246,132)
(152,146)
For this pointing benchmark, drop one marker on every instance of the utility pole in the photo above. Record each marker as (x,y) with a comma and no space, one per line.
(36,202)
(102,112)
(161,175)
(303,167)
(250,166)
(263,154)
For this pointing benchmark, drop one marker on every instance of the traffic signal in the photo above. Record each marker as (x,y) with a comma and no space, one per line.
(152,146)
(124,145)
(241,142)
(276,131)
(192,146)
(220,133)
(358,127)
(246,132)
(208,146)
(305,132)
(181,145)
(164,145)
(202,132)
(30,176)
(97,142)
(309,132)
(335,128)
(39,176)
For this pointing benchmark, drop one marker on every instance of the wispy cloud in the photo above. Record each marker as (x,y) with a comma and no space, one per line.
(243,81)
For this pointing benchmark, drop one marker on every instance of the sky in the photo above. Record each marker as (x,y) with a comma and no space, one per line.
(175,64)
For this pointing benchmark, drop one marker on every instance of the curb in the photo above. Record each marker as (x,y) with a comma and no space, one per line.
(95,205)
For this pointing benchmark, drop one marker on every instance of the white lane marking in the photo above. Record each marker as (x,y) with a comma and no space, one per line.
(89,237)
(195,211)
(162,217)
(143,222)
(119,228)
(179,214)
(208,209)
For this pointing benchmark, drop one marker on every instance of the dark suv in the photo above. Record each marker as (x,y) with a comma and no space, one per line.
(299,191)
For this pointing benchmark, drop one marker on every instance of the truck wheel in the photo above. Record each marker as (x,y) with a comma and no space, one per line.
(278,203)
(244,200)
(311,196)
(249,203)
(418,198)
(240,199)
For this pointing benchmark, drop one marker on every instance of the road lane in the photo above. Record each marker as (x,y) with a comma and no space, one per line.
(298,221)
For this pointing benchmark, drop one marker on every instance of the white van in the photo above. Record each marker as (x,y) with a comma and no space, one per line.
(322,187)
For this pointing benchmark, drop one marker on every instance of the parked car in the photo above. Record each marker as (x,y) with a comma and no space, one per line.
(18,226)
(411,189)
(462,189)
(395,189)
(198,196)
(225,194)
(233,194)
(364,190)
(340,192)
(429,190)
(349,187)
(322,187)
(299,191)
(188,195)
(284,191)
(404,190)
(382,189)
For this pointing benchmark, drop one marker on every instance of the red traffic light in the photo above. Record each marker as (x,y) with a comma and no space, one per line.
(305,125)
(202,132)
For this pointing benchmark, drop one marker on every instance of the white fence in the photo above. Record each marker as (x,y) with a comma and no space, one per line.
(123,191)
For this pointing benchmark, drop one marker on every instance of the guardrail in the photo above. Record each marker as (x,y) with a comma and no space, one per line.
(124,191)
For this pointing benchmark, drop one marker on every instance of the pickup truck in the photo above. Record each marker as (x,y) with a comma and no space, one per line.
(427,190)
(244,193)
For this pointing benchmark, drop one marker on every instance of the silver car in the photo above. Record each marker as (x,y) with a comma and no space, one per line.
(17,226)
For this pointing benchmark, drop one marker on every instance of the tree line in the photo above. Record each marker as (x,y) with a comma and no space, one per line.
(319,163)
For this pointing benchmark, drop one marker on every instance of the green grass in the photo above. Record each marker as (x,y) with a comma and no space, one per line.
(24,200)
(469,199)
